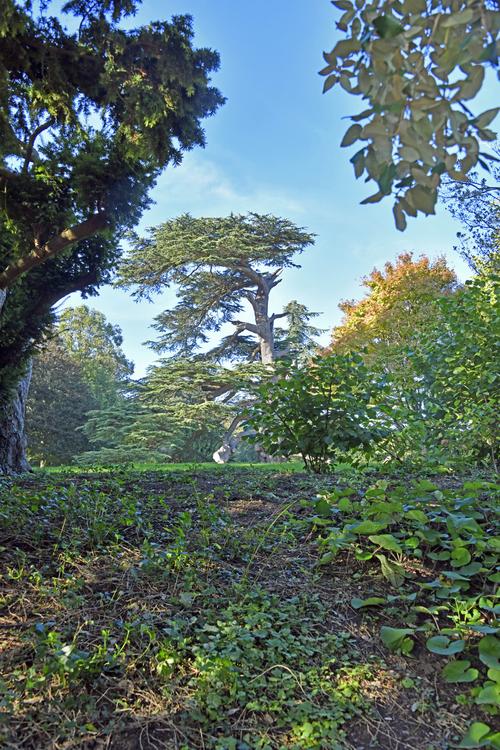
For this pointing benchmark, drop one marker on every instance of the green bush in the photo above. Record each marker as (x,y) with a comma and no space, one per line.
(461,363)
(318,411)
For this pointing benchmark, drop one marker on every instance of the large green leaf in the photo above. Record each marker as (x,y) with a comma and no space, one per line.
(459,671)
(444,646)
(489,651)
(397,639)
(480,735)
(386,541)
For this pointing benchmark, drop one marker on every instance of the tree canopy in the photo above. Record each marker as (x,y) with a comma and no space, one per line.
(88,120)
(417,65)
(391,318)
(95,345)
(476,205)
(216,264)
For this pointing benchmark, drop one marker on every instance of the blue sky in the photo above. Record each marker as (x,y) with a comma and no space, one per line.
(274,148)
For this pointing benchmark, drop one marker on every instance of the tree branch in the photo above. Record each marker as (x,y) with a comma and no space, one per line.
(258,279)
(53,247)
(242,326)
(275,316)
(31,142)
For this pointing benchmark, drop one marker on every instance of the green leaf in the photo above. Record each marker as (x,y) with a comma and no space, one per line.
(399,217)
(342,4)
(423,199)
(489,651)
(375,198)
(372,601)
(386,541)
(460,556)
(351,135)
(457,18)
(323,508)
(394,573)
(489,695)
(442,645)
(396,639)
(367,527)
(459,671)
(330,83)
(477,736)
(494,674)
(484,119)
(387,27)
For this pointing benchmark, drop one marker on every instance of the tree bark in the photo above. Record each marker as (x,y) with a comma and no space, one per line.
(13,441)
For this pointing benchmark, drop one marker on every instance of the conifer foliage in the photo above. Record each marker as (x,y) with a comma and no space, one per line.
(89,118)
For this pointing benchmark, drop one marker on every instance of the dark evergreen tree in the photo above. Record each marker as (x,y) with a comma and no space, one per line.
(88,119)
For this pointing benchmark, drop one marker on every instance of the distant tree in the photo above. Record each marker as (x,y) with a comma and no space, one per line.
(417,64)
(95,345)
(220,266)
(299,339)
(88,120)
(391,326)
(58,403)
(476,205)
(216,266)
(168,416)
(399,307)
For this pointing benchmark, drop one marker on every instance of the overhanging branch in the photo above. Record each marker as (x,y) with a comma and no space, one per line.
(53,247)
(31,142)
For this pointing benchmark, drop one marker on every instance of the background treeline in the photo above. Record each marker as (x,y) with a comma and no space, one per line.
(410,375)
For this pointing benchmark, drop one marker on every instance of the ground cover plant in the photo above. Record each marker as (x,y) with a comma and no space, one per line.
(245,608)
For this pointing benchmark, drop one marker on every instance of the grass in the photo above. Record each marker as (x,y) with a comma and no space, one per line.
(288,467)
(255,608)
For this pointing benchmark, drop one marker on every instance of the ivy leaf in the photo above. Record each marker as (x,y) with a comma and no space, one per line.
(394,573)
(372,601)
(494,674)
(459,671)
(460,556)
(480,735)
(367,527)
(386,541)
(489,651)
(490,694)
(442,645)
(397,639)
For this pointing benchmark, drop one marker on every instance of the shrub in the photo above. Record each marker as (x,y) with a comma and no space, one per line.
(319,410)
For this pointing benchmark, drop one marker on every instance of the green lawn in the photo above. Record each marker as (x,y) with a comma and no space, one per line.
(289,466)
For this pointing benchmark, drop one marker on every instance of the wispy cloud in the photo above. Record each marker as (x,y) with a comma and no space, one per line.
(202,188)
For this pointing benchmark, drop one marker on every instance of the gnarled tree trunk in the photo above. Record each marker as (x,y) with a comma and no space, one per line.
(12,411)
(12,436)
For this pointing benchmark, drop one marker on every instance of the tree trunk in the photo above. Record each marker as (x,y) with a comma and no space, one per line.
(265,325)
(12,436)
